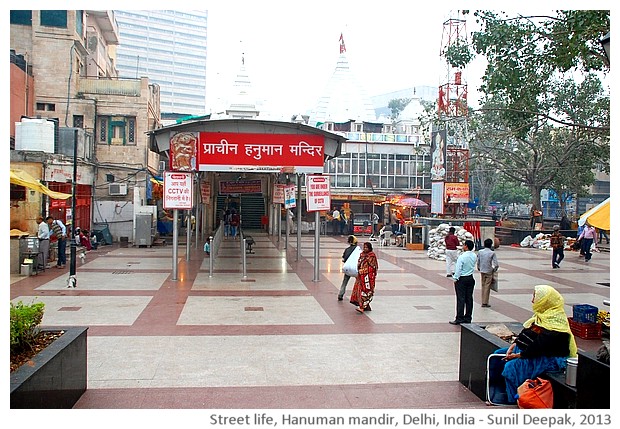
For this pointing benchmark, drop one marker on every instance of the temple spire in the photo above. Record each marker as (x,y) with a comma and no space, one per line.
(343,49)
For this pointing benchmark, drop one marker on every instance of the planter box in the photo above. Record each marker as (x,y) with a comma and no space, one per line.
(58,377)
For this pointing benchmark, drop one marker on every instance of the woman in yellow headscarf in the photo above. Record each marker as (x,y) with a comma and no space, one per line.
(544,343)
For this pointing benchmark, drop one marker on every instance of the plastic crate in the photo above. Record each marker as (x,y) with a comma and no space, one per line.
(587,331)
(585,313)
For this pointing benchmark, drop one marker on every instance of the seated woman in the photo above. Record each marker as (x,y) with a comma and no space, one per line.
(544,343)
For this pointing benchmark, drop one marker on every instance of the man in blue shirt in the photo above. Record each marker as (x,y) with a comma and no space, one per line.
(464,284)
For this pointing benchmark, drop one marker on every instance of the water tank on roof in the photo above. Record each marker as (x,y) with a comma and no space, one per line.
(35,135)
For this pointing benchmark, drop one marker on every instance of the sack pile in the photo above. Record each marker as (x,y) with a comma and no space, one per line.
(436,240)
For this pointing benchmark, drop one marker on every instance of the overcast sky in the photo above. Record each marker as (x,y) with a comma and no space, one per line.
(291,51)
(291,48)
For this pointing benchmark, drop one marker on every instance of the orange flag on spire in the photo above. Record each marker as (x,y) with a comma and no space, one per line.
(343,49)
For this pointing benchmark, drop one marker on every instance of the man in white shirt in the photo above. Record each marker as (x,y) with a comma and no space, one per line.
(336,221)
(43,234)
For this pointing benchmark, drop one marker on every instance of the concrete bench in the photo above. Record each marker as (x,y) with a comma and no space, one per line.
(591,391)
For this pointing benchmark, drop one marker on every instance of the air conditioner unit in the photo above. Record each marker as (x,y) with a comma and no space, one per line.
(117,189)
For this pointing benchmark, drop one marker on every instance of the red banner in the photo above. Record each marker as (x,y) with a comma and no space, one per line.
(304,153)
(241,187)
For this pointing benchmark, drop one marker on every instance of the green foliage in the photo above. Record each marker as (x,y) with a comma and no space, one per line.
(25,321)
(458,55)
(539,126)
(509,192)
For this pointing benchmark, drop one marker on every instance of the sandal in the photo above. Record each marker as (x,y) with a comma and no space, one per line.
(359,310)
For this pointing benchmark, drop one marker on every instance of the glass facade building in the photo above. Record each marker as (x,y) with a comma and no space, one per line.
(170,48)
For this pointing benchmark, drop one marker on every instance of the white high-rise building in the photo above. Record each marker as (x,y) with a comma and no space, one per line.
(170,48)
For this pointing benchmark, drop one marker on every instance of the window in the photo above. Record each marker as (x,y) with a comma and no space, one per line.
(131,135)
(21,17)
(79,22)
(118,130)
(103,130)
(49,107)
(78,121)
(18,192)
(54,18)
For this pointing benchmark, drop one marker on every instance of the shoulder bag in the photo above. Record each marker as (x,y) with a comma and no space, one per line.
(535,393)
(350,265)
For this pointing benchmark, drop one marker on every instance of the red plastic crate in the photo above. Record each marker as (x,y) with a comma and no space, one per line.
(587,331)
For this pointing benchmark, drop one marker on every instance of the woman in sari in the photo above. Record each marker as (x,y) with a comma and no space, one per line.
(364,288)
(543,345)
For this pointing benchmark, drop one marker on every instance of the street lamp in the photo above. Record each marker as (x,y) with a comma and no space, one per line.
(72,280)
(605,42)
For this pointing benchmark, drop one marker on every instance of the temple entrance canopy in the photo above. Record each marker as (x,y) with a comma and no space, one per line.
(242,145)
(244,150)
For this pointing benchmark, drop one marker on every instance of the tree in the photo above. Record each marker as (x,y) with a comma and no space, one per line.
(540,153)
(544,109)
(509,192)
(397,105)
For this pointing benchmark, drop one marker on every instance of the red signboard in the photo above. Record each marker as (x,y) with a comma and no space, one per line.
(457,193)
(260,152)
(241,187)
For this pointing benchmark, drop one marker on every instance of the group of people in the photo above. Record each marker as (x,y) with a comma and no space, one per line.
(460,267)
(54,230)
(232,221)
(342,221)
(367,267)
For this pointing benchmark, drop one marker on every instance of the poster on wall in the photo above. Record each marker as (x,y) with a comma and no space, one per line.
(318,195)
(457,193)
(437,197)
(278,193)
(205,192)
(183,152)
(289,196)
(438,155)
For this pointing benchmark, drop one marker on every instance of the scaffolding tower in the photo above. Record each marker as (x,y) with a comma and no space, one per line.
(452,110)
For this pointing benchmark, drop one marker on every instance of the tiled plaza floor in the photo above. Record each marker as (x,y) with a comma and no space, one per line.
(277,338)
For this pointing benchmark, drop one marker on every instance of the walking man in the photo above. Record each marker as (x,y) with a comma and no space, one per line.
(557,243)
(452,251)
(464,284)
(60,231)
(587,237)
(352,240)
(487,264)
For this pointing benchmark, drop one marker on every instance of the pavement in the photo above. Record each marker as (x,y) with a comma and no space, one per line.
(278,339)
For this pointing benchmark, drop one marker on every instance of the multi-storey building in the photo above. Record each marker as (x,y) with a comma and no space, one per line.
(170,47)
(82,115)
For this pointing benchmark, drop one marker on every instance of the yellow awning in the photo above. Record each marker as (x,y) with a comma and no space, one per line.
(597,216)
(20,177)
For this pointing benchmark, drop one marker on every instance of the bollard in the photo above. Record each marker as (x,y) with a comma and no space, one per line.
(210,256)
(245,273)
